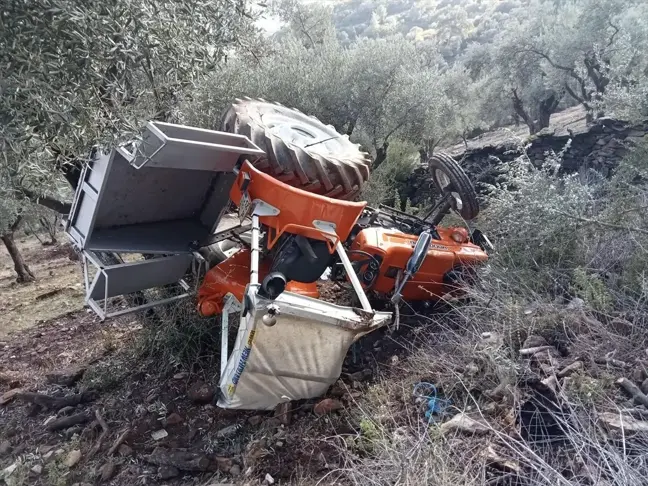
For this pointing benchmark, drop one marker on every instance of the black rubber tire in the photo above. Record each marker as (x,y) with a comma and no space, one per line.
(459,184)
(335,167)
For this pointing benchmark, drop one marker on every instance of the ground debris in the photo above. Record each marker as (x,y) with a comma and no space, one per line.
(46,402)
(633,390)
(534,341)
(72,458)
(118,444)
(107,471)
(535,350)
(68,421)
(569,369)
(283,412)
(9,396)
(159,434)
(188,461)
(465,424)
(65,377)
(168,472)
(201,393)
(617,421)
(174,419)
(327,405)
(493,458)
(5,447)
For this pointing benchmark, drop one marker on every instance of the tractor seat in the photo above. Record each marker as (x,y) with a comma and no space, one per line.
(300,212)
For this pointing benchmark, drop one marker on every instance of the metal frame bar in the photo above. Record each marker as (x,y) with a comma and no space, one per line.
(355,282)
(101,307)
(226,234)
(231,305)
(254,250)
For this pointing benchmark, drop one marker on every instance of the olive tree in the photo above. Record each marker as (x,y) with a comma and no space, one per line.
(78,74)
(583,45)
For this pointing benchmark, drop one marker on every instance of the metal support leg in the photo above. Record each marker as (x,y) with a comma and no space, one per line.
(254,251)
(230,305)
(353,277)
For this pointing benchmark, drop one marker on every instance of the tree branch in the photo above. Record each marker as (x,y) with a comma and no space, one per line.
(567,69)
(573,94)
(16,224)
(604,224)
(616,31)
(46,201)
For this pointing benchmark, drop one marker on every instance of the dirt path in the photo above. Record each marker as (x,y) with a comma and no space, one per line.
(153,408)
(57,291)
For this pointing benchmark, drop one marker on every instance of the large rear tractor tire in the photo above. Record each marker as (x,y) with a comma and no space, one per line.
(300,150)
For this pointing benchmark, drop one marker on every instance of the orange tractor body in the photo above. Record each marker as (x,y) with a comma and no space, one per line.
(380,255)
(394,249)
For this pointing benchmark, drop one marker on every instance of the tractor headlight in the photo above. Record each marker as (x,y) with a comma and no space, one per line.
(460,235)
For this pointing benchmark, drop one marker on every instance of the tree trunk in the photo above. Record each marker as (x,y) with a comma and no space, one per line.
(381,155)
(22,270)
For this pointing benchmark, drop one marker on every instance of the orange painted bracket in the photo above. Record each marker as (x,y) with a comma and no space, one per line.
(298,210)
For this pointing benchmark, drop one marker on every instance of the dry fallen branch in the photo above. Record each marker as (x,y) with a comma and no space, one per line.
(47,402)
(569,369)
(69,421)
(104,432)
(119,441)
(187,461)
(611,361)
(532,351)
(634,391)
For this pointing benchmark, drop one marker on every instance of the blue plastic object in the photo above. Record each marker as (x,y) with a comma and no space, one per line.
(435,405)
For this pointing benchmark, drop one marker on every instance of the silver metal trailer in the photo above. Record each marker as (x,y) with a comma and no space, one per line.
(163,199)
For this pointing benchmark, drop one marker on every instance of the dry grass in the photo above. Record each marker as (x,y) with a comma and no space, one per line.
(535,437)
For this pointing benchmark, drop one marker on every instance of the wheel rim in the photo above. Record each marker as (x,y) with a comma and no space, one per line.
(446,186)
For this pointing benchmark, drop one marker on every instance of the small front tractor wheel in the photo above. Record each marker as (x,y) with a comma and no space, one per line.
(449,178)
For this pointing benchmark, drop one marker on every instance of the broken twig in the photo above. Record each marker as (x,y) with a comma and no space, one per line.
(69,421)
(535,350)
(47,402)
(119,441)
(104,432)
(634,391)
(569,369)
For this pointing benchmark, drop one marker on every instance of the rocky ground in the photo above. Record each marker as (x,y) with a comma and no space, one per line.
(79,405)
(542,393)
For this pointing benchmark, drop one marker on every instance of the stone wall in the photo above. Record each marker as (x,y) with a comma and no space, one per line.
(598,147)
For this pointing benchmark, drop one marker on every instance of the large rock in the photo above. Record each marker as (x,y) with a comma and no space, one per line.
(201,393)
(72,458)
(327,405)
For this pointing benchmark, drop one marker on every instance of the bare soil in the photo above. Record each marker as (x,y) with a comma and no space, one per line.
(137,397)
(57,291)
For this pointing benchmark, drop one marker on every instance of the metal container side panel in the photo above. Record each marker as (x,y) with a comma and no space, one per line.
(132,277)
(96,171)
(162,237)
(91,183)
(166,145)
(217,201)
(148,195)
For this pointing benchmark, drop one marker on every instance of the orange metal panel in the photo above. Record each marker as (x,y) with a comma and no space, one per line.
(232,276)
(395,248)
(298,208)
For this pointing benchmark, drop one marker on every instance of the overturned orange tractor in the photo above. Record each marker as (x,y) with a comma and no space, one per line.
(257,215)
